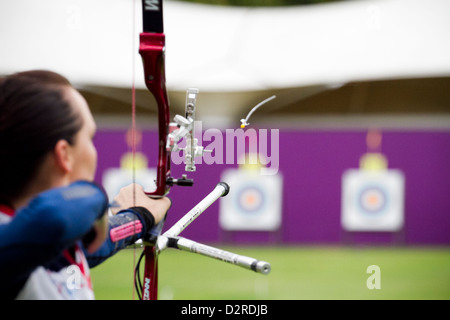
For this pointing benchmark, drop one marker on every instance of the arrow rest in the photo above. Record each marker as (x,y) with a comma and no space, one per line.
(184,181)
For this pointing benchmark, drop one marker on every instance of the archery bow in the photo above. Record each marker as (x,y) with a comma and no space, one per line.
(152,51)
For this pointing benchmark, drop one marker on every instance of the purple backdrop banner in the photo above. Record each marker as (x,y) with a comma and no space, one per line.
(312,163)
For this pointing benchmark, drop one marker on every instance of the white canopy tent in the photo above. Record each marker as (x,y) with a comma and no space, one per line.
(236,56)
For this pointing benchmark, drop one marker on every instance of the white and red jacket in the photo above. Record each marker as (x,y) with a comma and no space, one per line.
(42,253)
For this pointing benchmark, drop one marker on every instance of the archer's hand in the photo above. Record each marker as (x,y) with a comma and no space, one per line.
(133,195)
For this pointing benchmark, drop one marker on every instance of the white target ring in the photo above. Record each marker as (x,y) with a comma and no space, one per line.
(373,200)
(250,200)
(254,202)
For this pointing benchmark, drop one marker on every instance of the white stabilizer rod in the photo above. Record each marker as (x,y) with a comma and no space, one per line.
(226,256)
(220,190)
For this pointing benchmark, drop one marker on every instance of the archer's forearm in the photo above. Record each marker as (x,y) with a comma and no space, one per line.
(125,228)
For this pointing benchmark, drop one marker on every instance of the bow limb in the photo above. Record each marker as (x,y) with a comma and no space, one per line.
(151,49)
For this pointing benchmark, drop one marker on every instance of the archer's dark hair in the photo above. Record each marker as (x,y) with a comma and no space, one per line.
(34,116)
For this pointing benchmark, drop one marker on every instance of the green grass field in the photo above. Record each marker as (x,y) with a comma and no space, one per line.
(297,273)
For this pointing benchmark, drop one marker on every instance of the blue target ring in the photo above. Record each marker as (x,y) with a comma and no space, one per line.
(373,200)
(250,200)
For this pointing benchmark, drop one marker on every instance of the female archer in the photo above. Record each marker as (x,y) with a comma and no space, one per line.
(54,222)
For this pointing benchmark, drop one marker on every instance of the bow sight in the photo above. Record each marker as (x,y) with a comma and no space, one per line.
(184,127)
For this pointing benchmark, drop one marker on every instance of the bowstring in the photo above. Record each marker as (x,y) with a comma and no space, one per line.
(133,126)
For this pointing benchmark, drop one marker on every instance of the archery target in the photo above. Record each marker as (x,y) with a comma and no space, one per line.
(250,199)
(114,179)
(254,201)
(372,200)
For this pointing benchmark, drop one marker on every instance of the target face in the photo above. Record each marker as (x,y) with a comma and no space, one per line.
(115,178)
(254,201)
(372,200)
(250,200)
